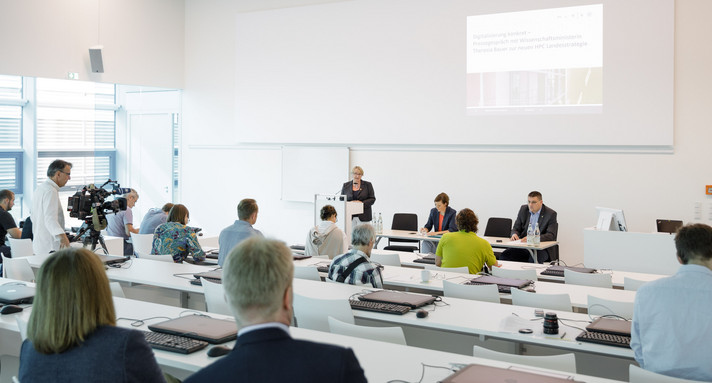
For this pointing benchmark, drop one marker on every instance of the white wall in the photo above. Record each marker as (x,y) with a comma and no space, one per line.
(217,174)
(142,39)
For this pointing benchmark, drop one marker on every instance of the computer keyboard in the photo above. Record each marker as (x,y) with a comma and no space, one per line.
(380,307)
(173,343)
(603,338)
(502,289)
(426,260)
(558,271)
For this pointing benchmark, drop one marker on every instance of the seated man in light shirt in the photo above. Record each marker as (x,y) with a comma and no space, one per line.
(257,277)
(121,223)
(355,266)
(242,229)
(154,218)
(672,326)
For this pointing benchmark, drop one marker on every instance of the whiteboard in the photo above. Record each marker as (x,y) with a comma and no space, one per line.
(309,170)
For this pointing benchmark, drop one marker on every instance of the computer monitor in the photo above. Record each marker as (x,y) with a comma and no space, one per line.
(611,219)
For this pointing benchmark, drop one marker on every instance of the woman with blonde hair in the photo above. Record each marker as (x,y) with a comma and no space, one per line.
(72,334)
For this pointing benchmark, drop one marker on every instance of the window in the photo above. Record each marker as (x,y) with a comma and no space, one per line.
(11,103)
(76,122)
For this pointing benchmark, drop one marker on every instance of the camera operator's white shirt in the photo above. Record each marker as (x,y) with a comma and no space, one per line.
(47,218)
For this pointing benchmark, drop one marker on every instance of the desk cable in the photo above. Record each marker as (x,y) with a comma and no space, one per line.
(422,373)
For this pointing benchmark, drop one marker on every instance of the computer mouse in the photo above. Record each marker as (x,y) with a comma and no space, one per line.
(421,314)
(218,351)
(10,309)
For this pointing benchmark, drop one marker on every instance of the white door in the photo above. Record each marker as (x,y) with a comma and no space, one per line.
(150,161)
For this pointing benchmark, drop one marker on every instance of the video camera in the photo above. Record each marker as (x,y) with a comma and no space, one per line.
(91,200)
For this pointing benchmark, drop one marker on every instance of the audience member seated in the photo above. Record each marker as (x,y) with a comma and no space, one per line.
(154,218)
(72,334)
(672,330)
(257,278)
(177,239)
(464,247)
(240,230)
(355,267)
(7,223)
(441,220)
(326,238)
(121,223)
(530,214)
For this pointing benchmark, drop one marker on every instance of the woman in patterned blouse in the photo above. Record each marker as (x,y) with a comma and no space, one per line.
(177,239)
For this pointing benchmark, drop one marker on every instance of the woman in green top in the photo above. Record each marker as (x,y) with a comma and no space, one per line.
(464,247)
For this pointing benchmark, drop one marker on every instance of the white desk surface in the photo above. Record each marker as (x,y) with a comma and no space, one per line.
(409,278)
(502,242)
(381,361)
(408,258)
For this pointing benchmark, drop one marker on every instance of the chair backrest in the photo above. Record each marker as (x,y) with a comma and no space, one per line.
(463,269)
(529,274)
(142,243)
(215,298)
(157,257)
(632,284)
(600,306)
(639,375)
(561,362)
(307,272)
(383,334)
(560,302)
(498,227)
(20,247)
(588,279)
(17,268)
(22,325)
(389,259)
(486,293)
(313,313)
(117,290)
(404,221)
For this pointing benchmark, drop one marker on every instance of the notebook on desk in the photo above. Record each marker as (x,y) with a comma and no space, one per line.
(610,326)
(398,298)
(428,259)
(14,294)
(558,271)
(211,275)
(477,373)
(211,252)
(500,282)
(199,327)
(112,259)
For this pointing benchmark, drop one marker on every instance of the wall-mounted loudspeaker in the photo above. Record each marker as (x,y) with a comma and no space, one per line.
(97,63)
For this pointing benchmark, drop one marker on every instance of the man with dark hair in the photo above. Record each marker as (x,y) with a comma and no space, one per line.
(355,267)
(464,247)
(534,212)
(154,218)
(121,225)
(7,223)
(257,279)
(47,213)
(240,230)
(672,330)
(326,238)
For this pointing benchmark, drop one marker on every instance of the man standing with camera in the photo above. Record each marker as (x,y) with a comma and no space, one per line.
(47,214)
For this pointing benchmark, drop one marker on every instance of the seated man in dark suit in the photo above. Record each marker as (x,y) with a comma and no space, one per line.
(530,214)
(257,277)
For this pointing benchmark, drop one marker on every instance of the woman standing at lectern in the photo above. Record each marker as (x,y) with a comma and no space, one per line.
(361,191)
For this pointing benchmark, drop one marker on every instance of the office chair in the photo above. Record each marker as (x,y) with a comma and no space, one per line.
(404,221)
(498,227)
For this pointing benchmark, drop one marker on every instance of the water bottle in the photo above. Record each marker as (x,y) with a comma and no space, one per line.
(530,235)
(379,224)
(537,234)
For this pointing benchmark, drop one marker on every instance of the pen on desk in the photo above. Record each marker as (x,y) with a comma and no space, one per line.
(563,335)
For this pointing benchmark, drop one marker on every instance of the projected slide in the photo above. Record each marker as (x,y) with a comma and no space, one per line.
(547,61)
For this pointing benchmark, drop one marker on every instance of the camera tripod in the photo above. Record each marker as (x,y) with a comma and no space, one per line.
(94,237)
